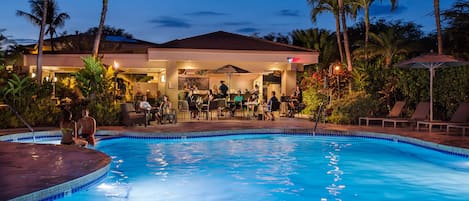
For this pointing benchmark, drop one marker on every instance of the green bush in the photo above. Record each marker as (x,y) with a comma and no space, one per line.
(348,109)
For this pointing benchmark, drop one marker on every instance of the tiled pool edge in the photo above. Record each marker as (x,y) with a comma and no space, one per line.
(66,188)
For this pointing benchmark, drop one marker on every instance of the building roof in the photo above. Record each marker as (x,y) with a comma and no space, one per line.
(221,40)
(83,43)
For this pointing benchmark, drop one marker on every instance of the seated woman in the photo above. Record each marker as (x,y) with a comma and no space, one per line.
(69,131)
(194,105)
(253,103)
(165,110)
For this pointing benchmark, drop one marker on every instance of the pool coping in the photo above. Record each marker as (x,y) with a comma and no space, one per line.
(75,185)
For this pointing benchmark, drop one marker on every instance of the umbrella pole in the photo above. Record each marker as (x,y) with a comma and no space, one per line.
(432,72)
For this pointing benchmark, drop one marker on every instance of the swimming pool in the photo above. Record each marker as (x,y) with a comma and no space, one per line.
(278,167)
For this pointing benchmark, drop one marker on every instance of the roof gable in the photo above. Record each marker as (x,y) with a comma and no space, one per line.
(229,41)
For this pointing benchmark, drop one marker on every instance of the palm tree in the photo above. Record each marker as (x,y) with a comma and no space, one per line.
(100,29)
(436,6)
(344,27)
(317,39)
(387,44)
(366,4)
(320,6)
(54,19)
(39,10)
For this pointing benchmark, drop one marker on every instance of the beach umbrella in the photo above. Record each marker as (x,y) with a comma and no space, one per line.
(431,62)
(228,70)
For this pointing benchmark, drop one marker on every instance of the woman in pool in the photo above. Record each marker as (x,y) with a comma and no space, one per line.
(69,130)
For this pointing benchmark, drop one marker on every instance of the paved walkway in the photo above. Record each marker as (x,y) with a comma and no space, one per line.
(27,168)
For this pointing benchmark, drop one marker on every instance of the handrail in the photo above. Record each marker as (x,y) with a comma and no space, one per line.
(19,117)
(321,108)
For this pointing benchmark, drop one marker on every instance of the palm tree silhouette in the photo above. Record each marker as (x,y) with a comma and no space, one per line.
(54,19)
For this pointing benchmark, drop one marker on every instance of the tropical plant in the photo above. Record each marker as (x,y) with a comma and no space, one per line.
(365,5)
(342,14)
(387,44)
(332,6)
(320,40)
(456,37)
(100,29)
(54,19)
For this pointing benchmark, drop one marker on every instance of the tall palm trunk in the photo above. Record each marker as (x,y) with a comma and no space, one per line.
(344,27)
(41,42)
(367,32)
(339,40)
(100,29)
(436,5)
(52,41)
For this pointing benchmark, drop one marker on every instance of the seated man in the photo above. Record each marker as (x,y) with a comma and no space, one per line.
(147,108)
(87,127)
(237,103)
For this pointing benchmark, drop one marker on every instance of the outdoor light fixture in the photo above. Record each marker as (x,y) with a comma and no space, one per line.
(163,78)
(290,60)
(33,75)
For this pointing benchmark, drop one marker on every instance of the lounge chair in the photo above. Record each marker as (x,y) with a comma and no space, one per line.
(463,127)
(422,112)
(459,118)
(130,116)
(394,113)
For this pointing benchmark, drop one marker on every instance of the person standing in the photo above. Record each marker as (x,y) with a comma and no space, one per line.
(87,127)
(223,89)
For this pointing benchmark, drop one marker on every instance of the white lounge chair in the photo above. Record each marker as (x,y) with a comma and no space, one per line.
(422,112)
(394,113)
(459,118)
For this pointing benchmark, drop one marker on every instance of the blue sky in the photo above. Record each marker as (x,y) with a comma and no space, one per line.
(163,20)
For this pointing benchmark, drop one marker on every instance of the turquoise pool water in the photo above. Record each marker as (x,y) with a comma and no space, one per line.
(278,167)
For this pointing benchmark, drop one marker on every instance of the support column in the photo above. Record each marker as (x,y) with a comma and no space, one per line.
(288,82)
(171,86)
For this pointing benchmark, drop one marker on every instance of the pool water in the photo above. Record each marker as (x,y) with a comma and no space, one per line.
(277,167)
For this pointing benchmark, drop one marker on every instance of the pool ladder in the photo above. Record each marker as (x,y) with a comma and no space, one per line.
(318,116)
(21,118)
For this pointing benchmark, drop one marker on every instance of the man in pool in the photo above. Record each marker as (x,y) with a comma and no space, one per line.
(87,127)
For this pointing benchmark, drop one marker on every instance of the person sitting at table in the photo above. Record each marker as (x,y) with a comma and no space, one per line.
(147,108)
(296,99)
(164,109)
(194,103)
(270,107)
(237,103)
(253,103)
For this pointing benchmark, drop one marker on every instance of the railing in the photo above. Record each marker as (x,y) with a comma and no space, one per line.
(21,118)
(318,116)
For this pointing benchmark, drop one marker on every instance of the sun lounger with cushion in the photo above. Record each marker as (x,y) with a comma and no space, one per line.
(463,127)
(394,113)
(460,118)
(422,111)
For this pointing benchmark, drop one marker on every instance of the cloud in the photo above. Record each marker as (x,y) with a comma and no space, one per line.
(205,13)
(237,23)
(289,13)
(377,10)
(247,30)
(171,22)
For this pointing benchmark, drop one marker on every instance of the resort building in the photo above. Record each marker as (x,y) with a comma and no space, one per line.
(204,60)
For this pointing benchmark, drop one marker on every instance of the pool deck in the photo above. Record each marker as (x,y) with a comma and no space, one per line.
(27,168)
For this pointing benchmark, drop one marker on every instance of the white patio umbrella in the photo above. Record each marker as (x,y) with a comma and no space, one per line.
(432,61)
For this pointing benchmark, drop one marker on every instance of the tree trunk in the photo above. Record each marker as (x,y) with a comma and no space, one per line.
(339,40)
(436,5)
(100,29)
(41,42)
(51,41)
(344,28)
(367,31)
